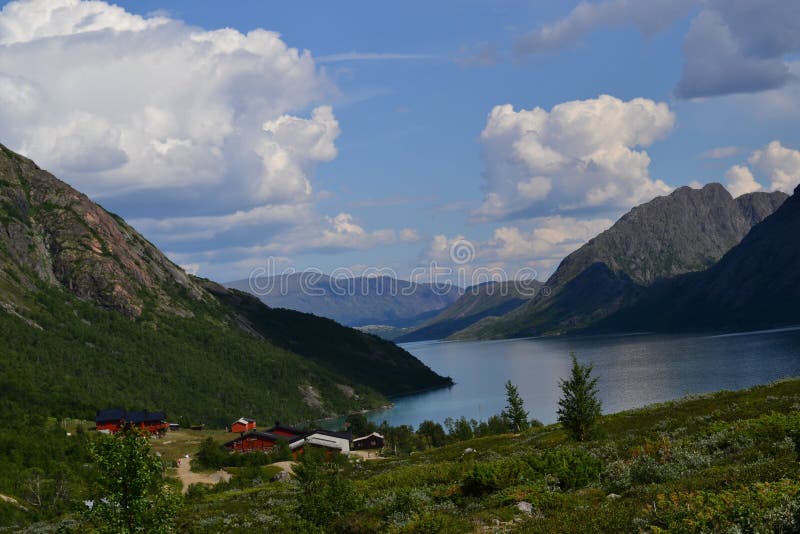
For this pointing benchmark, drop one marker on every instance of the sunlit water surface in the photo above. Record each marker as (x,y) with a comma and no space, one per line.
(633,371)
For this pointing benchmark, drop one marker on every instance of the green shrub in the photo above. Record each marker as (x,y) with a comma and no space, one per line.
(574,468)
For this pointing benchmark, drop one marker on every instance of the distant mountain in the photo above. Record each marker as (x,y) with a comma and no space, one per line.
(352,301)
(685,231)
(92,315)
(755,285)
(491,299)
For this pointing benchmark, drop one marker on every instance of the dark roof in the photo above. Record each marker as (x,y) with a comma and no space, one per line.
(265,435)
(343,435)
(288,430)
(111,414)
(145,416)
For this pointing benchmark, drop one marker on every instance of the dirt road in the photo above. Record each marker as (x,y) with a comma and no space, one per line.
(188,477)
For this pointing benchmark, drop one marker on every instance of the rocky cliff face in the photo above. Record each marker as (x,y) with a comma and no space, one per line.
(755,285)
(686,231)
(52,234)
(99,316)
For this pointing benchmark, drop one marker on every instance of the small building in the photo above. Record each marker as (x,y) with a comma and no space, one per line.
(286,431)
(255,441)
(153,422)
(115,419)
(243,424)
(371,441)
(109,421)
(333,441)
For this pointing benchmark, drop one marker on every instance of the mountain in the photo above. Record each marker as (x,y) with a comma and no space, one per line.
(683,232)
(92,315)
(755,285)
(491,299)
(380,300)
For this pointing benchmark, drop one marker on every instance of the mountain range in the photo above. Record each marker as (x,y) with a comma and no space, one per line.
(686,231)
(491,299)
(358,301)
(755,285)
(92,315)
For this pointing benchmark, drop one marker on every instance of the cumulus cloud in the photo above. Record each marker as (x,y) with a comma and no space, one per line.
(780,164)
(583,154)
(741,181)
(539,243)
(775,162)
(739,47)
(202,133)
(115,102)
(649,17)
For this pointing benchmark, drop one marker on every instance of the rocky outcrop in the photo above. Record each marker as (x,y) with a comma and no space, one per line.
(755,285)
(52,234)
(686,231)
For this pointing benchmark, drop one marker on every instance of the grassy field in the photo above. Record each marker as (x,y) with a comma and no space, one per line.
(725,462)
(178,443)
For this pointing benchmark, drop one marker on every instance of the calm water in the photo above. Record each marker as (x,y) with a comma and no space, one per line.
(633,371)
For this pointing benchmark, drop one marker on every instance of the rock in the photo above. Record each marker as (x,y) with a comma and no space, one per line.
(613,496)
(686,231)
(281,476)
(525,507)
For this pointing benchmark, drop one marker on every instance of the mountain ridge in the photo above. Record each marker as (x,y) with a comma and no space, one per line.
(99,316)
(685,231)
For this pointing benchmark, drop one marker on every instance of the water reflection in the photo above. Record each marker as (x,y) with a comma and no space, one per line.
(633,371)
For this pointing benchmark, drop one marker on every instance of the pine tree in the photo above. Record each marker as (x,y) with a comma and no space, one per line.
(579,406)
(515,412)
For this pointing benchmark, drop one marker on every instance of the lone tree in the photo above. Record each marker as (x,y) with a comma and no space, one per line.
(131,494)
(579,406)
(515,412)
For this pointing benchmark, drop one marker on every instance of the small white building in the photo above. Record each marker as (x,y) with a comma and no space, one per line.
(331,440)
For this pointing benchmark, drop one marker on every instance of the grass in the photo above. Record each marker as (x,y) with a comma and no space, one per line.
(178,443)
(723,462)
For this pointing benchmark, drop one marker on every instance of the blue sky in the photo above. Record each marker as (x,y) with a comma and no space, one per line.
(368,151)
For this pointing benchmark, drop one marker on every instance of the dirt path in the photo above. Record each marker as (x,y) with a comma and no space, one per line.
(286,466)
(188,477)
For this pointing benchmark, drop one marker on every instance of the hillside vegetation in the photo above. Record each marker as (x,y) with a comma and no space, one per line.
(724,462)
(92,316)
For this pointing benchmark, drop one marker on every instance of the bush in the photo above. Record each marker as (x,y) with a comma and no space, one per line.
(488,477)
(574,468)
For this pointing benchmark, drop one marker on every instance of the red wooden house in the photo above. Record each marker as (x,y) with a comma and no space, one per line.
(243,425)
(115,419)
(261,441)
(110,420)
(153,422)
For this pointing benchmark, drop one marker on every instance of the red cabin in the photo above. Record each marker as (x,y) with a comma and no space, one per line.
(115,419)
(110,421)
(243,425)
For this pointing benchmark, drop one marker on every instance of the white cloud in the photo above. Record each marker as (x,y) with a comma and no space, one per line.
(210,134)
(409,235)
(650,17)
(721,152)
(581,154)
(741,181)
(780,164)
(540,243)
(115,102)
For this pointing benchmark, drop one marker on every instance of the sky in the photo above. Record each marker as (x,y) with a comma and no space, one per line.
(359,137)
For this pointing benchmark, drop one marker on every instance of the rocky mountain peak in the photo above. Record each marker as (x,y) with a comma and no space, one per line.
(52,234)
